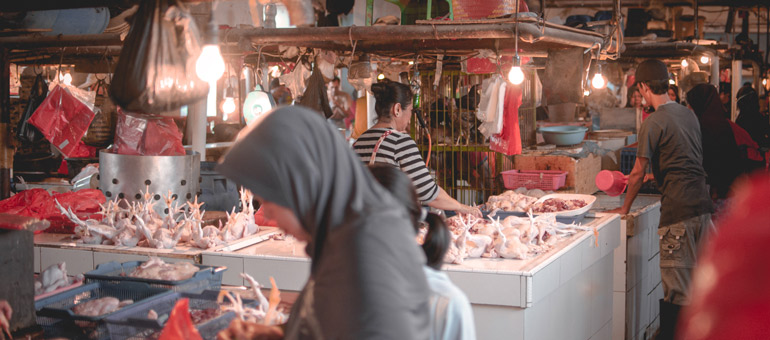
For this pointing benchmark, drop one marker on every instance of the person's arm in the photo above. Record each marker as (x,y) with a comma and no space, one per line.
(635,180)
(445,202)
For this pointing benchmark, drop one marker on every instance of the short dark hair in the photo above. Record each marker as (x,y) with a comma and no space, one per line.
(658,86)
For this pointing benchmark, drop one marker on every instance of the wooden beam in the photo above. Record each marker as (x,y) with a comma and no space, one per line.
(32,41)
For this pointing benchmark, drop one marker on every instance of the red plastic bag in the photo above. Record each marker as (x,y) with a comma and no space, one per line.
(508,141)
(179,324)
(63,119)
(38,203)
(261,220)
(143,135)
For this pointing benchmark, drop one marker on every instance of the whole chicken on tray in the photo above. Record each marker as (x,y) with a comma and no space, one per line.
(511,238)
(137,224)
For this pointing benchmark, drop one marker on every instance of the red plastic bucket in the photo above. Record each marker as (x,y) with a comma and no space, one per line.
(613,183)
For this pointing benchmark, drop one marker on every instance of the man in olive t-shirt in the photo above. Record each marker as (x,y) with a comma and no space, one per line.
(670,140)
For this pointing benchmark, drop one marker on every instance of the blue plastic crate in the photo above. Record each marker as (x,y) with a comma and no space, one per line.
(55,314)
(627,159)
(132,323)
(207,278)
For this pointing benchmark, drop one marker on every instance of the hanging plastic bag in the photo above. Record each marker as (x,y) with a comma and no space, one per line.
(62,118)
(26,132)
(508,141)
(144,135)
(102,129)
(315,95)
(179,324)
(156,69)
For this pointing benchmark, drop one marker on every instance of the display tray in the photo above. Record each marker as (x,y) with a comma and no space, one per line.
(207,277)
(566,216)
(55,313)
(133,323)
(75,283)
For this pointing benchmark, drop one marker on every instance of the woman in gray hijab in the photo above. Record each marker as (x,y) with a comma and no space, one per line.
(366,279)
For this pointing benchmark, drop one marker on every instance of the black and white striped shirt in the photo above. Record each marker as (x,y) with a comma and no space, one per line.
(400,150)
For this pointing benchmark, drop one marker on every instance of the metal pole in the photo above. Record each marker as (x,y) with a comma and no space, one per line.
(6,142)
(735,84)
(715,70)
(369,12)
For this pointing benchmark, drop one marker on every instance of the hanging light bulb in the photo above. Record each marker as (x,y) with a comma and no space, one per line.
(598,81)
(586,93)
(671,82)
(381,76)
(210,66)
(764,82)
(228,106)
(704,59)
(684,63)
(515,75)
(66,78)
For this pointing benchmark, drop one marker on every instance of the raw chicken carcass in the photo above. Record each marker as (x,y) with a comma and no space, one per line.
(53,278)
(157,269)
(100,306)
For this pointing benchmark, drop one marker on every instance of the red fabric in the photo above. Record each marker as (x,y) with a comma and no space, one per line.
(743,138)
(63,120)
(40,204)
(730,299)
(143,135)
(179,325)
(508,141)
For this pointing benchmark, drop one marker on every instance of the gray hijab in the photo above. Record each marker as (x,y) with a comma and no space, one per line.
(366,275)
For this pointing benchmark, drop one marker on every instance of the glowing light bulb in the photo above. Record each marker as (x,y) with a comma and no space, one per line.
(684,63)
(586,93)
(380,76)
(66,79)
(764,82)
(228,106)
(598,81)
(671,82)
(410,62)
(704,59)
(210,66)
(515,75)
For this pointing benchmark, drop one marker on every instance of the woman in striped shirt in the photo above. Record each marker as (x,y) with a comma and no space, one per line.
(390,144)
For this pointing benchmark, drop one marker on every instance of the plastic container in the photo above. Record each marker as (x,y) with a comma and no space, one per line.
(208,277)
(534,179)
(627,159)
(613,183)
(563,134)
(55,314)
(132,323)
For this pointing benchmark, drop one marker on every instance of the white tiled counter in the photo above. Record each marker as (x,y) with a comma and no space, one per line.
(563,294)
(80,258)
(636,274)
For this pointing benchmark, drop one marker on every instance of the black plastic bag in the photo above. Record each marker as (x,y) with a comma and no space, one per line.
(315,94)
(26,132)
(156,70)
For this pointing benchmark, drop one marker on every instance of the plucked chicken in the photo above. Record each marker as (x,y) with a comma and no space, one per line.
(100,306)
(157,269)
